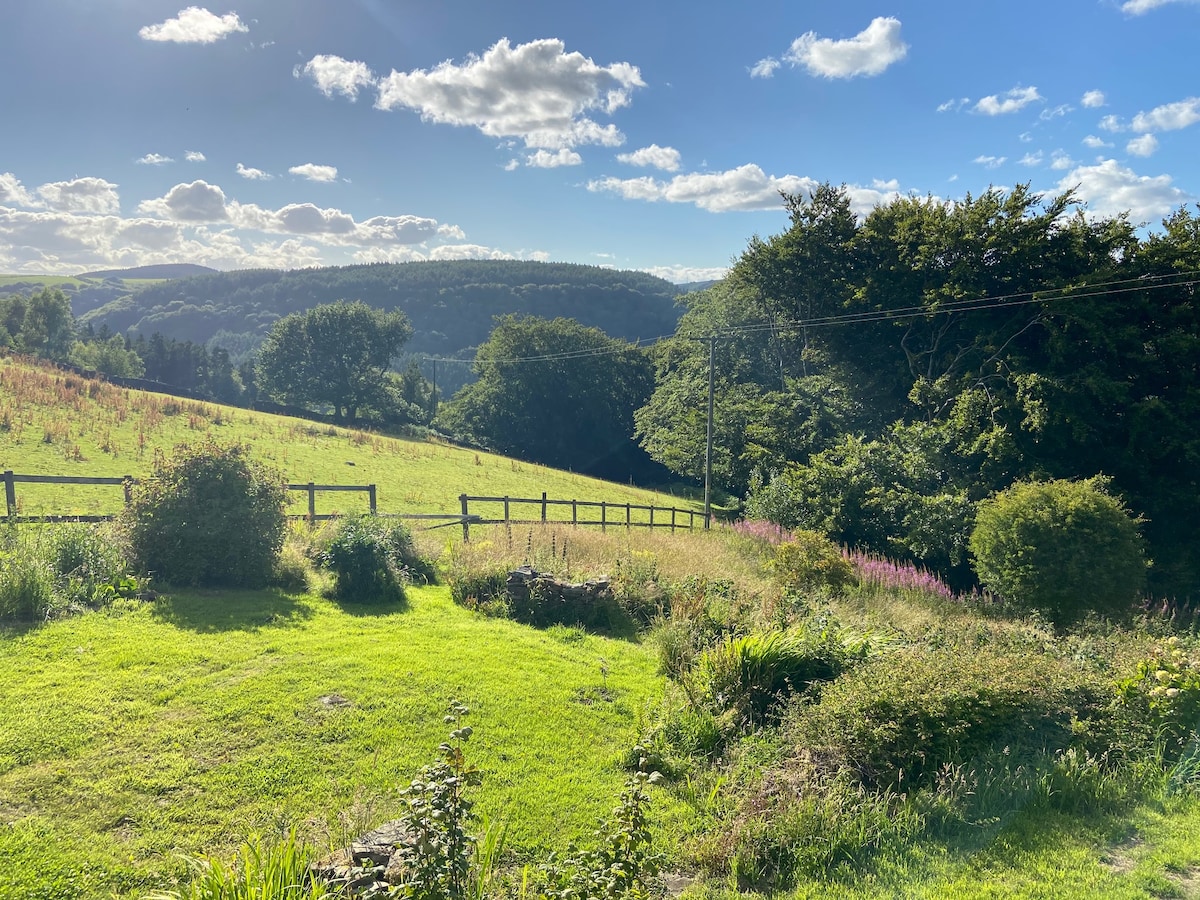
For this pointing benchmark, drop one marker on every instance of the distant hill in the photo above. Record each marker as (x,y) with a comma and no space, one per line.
(452,304)
(690,286)
(166,271)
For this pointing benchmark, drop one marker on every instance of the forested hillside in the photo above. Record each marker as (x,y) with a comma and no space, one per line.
(877,378)
(451,304)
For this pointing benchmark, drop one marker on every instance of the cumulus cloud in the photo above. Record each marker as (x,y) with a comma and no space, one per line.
(154,159)
(544,159)
(1110,189)
(1059,160)
(1031,159)
(1112,123)
(665,158)
(536,92)
(314,172)
(1169,117)
(686,274)
(747,187)
(954,104)
(1142,146)
(194,156)
(1093,99)
(12,191)
(253,174)
(991,162)
(764,68)
(194,25)
(81,195)
(195,202)
(335,75)
(1095,142)
(869,52)
(1009,102)
(1139,7)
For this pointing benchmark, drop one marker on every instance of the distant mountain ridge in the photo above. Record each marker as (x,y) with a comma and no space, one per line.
(166,270)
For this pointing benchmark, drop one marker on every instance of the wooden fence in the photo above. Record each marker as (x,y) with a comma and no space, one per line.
(614,514)
(669,516)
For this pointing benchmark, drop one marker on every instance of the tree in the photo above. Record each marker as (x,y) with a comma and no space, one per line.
(557,392)
(41,324)
(333,355)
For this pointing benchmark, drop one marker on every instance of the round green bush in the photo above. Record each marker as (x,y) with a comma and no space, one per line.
(365,555)
(207,515)
(1062,548)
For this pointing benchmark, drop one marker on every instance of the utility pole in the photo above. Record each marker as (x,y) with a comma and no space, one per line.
(433,397)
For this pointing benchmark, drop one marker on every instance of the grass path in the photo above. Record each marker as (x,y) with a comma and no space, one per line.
(183,725)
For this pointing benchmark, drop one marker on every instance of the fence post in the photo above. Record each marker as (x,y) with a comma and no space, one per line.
(543,507)
(672,520)
(603,516)
(312,502)
(371,499)
(127,486)
(462,498)
(628,518)
(574,512)
(651,517)
(691,520)
(10,491)
(506,510)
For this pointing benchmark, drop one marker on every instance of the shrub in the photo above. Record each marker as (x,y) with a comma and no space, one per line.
(809,561)
(1063,548)
(1161,697)
(89,566)
(365,561)
(26,583)
(484,592)
(207,515)
(900,717)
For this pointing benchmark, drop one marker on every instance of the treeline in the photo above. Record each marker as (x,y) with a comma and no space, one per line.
(451,304)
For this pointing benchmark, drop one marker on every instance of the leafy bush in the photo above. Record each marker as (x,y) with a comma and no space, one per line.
(745,676)
(26,584)
(897,719)
(207,515)
(809,561)
(71,567)
(1063,548)
(484,592)
(1162,696)
(365,555)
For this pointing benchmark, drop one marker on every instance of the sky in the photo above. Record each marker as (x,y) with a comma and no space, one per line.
(638,135)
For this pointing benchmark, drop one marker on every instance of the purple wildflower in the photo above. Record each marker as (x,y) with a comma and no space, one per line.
(880,573)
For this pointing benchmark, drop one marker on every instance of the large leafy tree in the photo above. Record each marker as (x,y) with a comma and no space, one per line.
(557,392)
(333,356)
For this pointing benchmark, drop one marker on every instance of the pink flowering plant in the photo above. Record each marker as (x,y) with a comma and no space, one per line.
(877,574)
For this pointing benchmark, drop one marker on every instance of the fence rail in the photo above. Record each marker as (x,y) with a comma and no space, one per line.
(614,514)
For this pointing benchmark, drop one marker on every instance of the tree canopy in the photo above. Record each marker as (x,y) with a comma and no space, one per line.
(334,355)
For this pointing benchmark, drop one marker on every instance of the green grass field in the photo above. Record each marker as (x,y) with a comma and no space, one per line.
(52,423)
(45,280)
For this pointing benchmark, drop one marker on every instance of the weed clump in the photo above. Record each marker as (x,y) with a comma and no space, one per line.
(372,560)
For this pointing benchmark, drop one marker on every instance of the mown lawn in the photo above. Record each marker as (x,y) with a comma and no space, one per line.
(180,726)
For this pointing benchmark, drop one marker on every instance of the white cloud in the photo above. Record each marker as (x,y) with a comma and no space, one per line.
(1095,143)
(194,156)
(1112,123)
(512,165)
(1025,137)
(1138,7)
(1142,146)
(892,184)
(953,105)
(544,159)
(334,75)
(1110,189)
(253,174)
(194,25)
(869,52)
(81,195)
(536,92)
(665,158)
(12,191)
(1061,110)
(1009,102)
(764,68)
(1169,117)
(314,172)
(686,274)
(154,159)
(747,187)
(1031,159)
(990,162)
(195,202)
(1093,99)
(1059,160)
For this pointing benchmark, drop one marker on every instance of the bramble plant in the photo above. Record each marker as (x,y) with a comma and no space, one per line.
(368,560)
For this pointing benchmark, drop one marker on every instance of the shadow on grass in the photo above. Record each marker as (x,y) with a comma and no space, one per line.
(231,610)
(367,610)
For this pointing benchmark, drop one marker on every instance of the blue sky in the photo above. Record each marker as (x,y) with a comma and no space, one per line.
(648,135)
